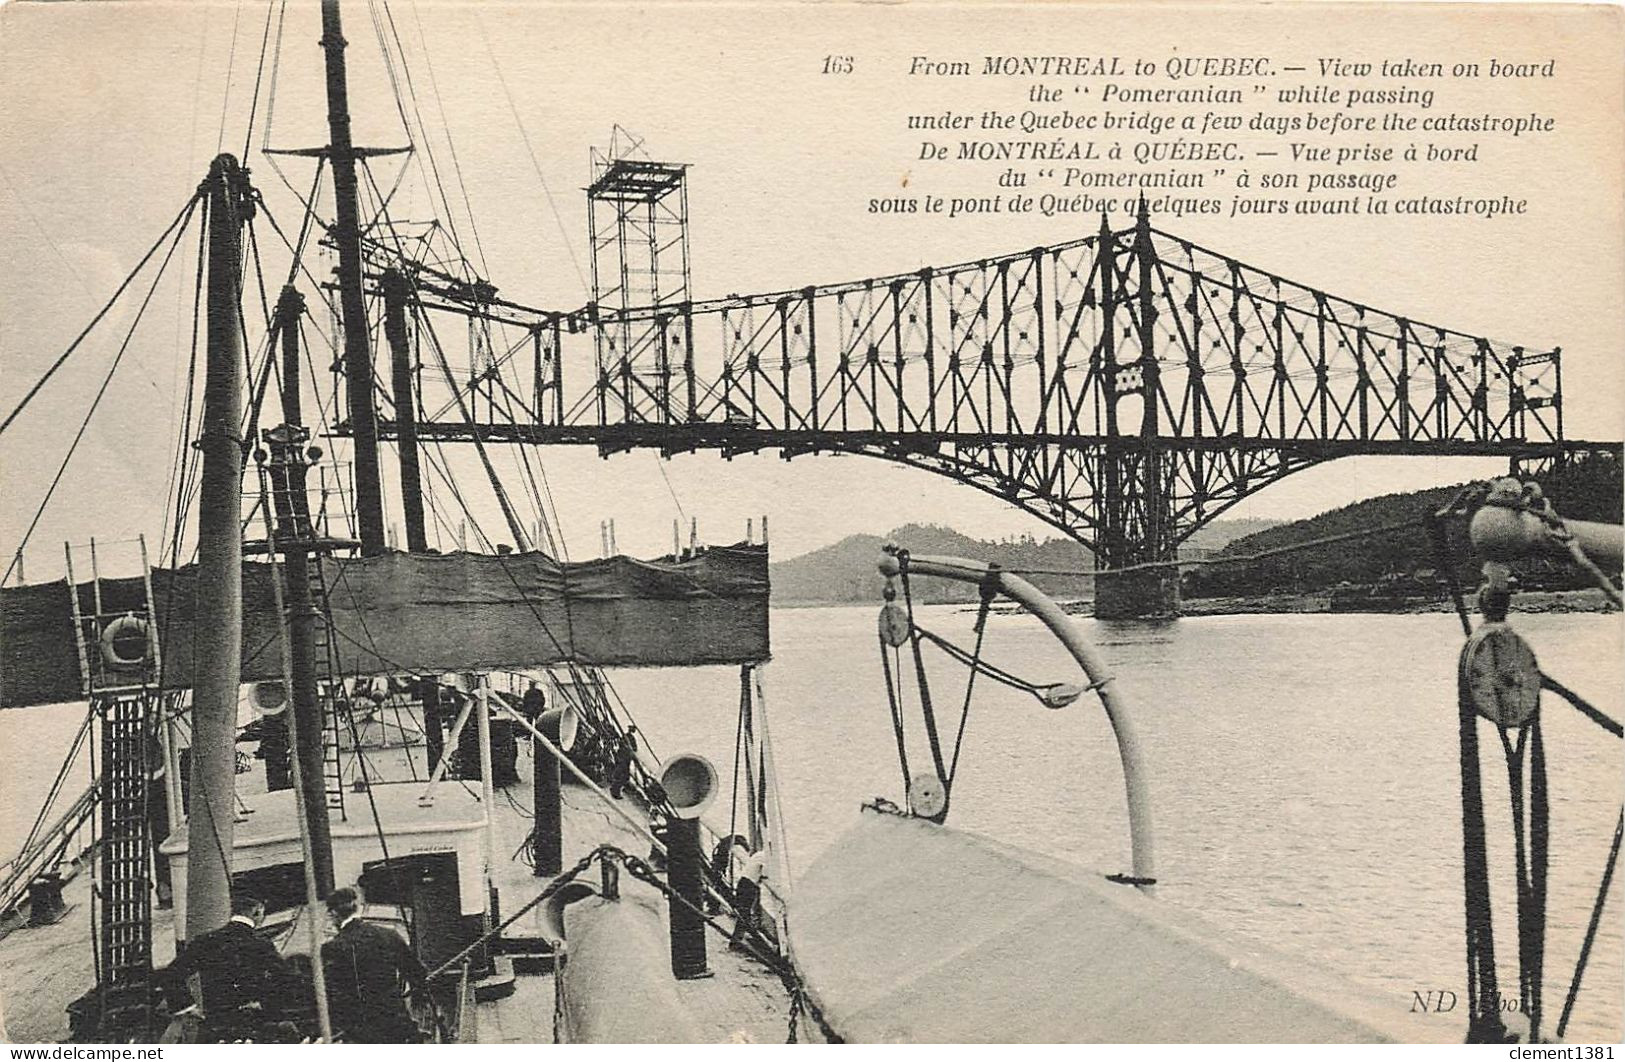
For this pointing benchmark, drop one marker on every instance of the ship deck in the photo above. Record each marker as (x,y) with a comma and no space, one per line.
(50,966)
(742,1002)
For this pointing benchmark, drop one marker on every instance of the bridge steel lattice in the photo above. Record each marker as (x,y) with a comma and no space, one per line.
(1126,387)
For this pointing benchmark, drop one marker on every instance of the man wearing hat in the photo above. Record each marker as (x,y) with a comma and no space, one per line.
(369,969)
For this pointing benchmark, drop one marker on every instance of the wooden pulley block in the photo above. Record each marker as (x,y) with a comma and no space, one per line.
(894,625)
(1501,675)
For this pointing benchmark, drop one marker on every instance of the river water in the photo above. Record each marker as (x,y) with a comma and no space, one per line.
(1304,773)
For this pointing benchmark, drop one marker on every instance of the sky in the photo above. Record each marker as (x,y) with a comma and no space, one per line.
(109,114)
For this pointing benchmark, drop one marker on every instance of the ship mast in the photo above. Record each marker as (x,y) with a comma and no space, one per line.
(219,627)
(300,550)
(346,235)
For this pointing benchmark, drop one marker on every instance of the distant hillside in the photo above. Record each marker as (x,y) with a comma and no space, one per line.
(1220,533)
(1362,561)
(845,571)
(1406,556)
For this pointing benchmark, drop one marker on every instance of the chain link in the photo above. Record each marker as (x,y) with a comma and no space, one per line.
(552,887)
(640,869)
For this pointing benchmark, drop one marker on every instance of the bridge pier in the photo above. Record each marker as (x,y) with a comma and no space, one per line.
(1144,594)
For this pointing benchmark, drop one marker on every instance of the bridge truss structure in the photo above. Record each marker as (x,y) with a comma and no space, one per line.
(1126,387)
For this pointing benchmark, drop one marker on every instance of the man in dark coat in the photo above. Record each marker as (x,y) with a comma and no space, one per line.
(620,768)
(534,703)
(368,969)
(237,972)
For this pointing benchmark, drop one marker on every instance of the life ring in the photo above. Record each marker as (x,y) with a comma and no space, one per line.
(126,643)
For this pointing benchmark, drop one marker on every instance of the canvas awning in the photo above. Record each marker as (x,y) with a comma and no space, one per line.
(421,613)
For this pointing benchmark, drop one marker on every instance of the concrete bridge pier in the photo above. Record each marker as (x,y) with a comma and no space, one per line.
(1144,594)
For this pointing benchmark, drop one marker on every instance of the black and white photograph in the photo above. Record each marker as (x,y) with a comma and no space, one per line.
(767,522)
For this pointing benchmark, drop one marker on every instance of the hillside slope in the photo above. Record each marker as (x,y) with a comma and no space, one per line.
(1405,558)
(845,571)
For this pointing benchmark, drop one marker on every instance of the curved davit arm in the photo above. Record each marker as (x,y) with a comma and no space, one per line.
(1118,711)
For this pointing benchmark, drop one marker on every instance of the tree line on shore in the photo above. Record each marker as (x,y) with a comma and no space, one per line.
(1400,562)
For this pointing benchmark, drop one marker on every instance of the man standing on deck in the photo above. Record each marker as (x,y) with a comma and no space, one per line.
(620,770)
(534,703)
(747,899)
(368,968)
(237,972)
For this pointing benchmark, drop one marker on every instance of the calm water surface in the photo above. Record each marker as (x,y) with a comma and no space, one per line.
(1303,770)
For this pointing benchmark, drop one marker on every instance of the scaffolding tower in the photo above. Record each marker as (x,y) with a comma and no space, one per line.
(637,220)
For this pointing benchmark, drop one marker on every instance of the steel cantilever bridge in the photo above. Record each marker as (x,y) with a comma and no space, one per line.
(1126,387)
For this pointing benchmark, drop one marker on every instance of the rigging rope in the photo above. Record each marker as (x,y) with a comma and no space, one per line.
(524,137)
(893,700)
(514,526)
(101,391)
(1581,705)
(180,219)
(259,74)
(987,590)
(1591,929)
(231,63)
(1531,833)
(1202,562)
(180,481)
(1530,819)
(919,670)
(1484,1023)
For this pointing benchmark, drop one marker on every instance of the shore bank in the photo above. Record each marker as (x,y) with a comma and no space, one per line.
(1588,600)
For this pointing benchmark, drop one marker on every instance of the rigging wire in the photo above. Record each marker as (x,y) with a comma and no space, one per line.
(479,444)
(440,105)
(1591,929)
(259,74)
(101,391)
(270,90)
(547,193)
(271,365)
(443,472)
(660,463)
(180,472)
(44,233)
(38,384)
(231,65)
(428,147)
(389,70)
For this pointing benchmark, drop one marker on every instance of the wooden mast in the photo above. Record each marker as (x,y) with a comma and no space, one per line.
(346,235)
(220,566)
(397,296)
(296,541)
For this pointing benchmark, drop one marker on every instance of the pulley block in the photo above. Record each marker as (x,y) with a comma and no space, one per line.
(927,797)
(1501,675)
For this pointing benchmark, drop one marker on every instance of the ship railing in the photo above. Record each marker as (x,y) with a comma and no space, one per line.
(65,840)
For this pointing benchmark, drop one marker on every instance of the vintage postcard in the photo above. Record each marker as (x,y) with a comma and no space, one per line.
(766,522)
